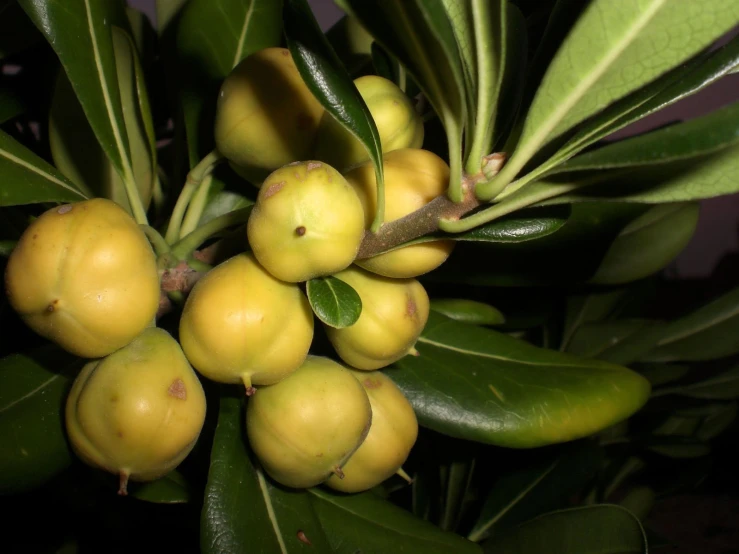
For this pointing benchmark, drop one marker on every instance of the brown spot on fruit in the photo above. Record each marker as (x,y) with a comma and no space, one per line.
(370,383)
(52,305)
(273,189)
(300,231)
(64,209)
(120,434)
(114,398)
(410,307)
(313,165)
(35,235)
(177,389)
(302,538)
(285,52)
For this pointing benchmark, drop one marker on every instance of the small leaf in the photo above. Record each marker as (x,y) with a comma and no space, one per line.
(477,384)
(598,529)
(724,386)
(334,302)
(173,488)
(33,441)
(222,203)
(468,311)
(27,179)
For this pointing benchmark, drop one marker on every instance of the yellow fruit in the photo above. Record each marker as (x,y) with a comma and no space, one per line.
(413,178)
(138,412)
(394,312)
(307,222)
(389,441)
(306,426)
(266,116)
(398,124)
(240,324)
(84,276)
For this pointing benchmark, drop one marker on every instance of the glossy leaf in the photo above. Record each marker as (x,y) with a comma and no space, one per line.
(170,489)
(603,59)
(468,311)
(32,397)
(366,523)
(243,511)
(518,227)
(620,341)
(648,244)
(27,179)
(330,83)
(333,301)
(544,484)
(477,384)
(710,332)
(599,529)
(724,386)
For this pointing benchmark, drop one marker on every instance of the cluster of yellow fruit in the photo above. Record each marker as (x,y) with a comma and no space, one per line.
(84,276)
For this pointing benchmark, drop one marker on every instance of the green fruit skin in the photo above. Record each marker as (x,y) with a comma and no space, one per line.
(394,312)
(305,427)
(138,412)
(398,124)
(390,439)
(307,222)
(266,116)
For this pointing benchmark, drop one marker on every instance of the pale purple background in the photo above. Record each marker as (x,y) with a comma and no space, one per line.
(718,227)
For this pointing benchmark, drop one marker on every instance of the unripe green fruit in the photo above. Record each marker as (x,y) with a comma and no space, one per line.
(138,412)
(84,276)
(394,312)
(398,124)
(266,116)
(240,324)
(306,426)
(307,222)
(413,178)
(389,441)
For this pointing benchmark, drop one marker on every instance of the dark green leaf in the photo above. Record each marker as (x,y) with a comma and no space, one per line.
(33,442)
(368,524)
(27,179)
(711,331)
(10,105)
(16,31)
(639,501)
(712,425)
(6,247)
(544,485)
(173,488)
(243,511)
(621,341)
(676,447)
(600,529)
(724,386)
(329,81)
(333,301)
(477,384)
(456,482)
(587,308)
(661,374)
(468,311)
(518,227)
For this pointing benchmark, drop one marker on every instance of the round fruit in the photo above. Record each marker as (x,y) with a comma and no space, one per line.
(398,124)
(84,276)
(240,324)
(413,178)
(394,312)
(389,441)
(265,117)
(307,222)
(138,412)
(306,426)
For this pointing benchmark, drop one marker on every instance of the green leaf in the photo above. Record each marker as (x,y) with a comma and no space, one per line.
(366,523)
(173,488)
(621,341)
(213,36)
(468,311)
(604,58)
(222,203)
(33,392)
(710,332)
(10,105)
(600,529)
(724,386)
(587,308)
(330,83)
(545,484)
(677,447)
(6,247)
(477,384)
(648,244)
(333,301)
(660,374)
(639,501)
(167,11)
(243,511)
(463,26)
(27,179)
(353,44)
(523,225)
(418,33)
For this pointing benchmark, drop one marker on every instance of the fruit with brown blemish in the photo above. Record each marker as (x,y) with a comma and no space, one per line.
(307,222)
(242,325)
(305,427)
(84,276)
(138,412)
(389,441)
(413,178)
(394,312)
(398,124)
(266,116)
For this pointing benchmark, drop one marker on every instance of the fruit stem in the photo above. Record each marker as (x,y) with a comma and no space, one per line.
(194,178)
(157,241)
(401,472)
(380,213)
(184,248)
(123,483)
(338,472)
(196,207)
